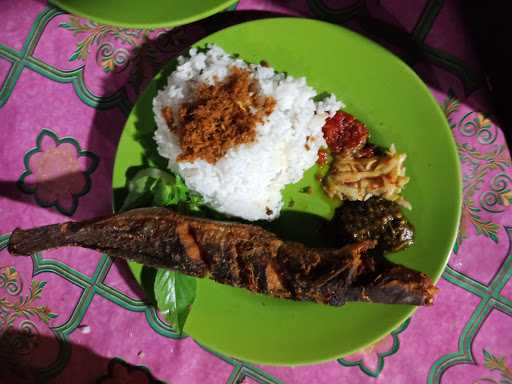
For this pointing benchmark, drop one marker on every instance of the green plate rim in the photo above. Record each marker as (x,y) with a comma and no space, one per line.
(458,198)
(65,5)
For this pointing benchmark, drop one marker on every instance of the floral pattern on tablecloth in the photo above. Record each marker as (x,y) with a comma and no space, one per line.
(57,172)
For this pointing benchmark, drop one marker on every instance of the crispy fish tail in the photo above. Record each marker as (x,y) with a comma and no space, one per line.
(27,242)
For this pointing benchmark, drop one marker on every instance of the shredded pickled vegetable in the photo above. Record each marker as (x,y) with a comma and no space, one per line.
(352,178)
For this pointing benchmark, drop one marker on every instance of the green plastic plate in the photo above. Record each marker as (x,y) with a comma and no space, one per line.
(398,108)
(144,14)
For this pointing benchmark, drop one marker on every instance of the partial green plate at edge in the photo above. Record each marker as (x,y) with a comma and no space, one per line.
(144,14)
(398,108)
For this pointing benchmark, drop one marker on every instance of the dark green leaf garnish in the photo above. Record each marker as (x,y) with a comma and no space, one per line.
(175,293)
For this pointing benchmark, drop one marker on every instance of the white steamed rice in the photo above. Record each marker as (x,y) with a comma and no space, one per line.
(247,182)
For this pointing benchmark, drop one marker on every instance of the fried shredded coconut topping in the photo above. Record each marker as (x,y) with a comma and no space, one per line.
(221,117)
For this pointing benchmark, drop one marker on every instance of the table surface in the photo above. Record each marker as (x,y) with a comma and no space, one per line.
(72,315)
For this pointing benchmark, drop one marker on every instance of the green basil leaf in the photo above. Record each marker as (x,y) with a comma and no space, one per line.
(175,293)
(195,202)
(321,96)
(154,187)
(139,193)
(181,189)
(164,194)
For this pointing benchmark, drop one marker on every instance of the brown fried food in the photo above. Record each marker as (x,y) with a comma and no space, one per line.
(240,255)
(222,116)
(374,219)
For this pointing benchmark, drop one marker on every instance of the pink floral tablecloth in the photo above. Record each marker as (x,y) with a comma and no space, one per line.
(74,316)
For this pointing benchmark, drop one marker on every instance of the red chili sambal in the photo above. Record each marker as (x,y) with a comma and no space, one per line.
(323,156)
(344,133)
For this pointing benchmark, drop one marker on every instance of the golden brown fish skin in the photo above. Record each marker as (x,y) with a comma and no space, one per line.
(237,254)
